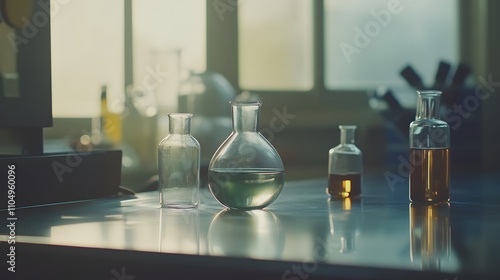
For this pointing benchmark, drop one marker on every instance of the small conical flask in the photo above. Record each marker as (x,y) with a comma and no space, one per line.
(246,172)
(429,151)
(179,164)
(345,166)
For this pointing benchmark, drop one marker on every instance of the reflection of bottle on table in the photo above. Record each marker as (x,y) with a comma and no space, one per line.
(179,231)
(344,222)
(345,166)
(430,235)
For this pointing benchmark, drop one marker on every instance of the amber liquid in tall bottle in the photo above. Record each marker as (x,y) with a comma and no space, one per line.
(429,180)
(342,186)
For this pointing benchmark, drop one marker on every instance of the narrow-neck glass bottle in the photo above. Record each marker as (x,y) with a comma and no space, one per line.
(429,151)
(345,166)
(246,172)
(179,164)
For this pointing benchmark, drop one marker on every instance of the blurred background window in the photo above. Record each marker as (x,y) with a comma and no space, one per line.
(88,49)
(367,43)
(87,52)
(275,44)
(169,37)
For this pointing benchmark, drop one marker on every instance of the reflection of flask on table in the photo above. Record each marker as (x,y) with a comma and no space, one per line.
(430,235)
(254,234)
(345,166)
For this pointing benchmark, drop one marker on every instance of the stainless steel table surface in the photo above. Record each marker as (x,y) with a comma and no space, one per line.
(303,235)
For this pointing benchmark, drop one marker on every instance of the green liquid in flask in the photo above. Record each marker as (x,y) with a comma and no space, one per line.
(246,188)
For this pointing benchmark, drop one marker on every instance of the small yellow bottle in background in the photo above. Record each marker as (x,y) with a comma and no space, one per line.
(111,123)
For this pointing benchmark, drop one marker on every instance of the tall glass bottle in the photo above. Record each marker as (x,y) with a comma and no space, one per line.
(429,151)
(246,172)
(345,166)
(179,164)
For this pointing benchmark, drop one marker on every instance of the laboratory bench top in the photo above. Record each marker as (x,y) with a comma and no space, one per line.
(302,235)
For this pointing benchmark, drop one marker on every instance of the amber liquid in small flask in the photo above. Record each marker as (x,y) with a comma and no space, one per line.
(345,166)
(429,152)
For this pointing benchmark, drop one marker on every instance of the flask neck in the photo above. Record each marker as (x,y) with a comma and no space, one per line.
(245,116)
(347,134)
(179,123)
(428,105)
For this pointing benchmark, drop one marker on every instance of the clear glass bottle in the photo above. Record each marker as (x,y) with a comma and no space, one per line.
(345,166)
(429,151)
(179,164)
(246,172)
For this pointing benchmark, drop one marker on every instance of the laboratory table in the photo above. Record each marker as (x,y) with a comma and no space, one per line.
(303,235)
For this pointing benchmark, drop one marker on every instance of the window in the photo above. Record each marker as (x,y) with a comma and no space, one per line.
(275,44)
(87,52)
(367,43)
(169,36)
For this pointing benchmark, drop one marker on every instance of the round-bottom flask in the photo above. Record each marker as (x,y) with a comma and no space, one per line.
(345,166)
(246,172)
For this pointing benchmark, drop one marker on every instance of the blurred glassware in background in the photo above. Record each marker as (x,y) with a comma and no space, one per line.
(111,119)
(147,104)
(164,76)
(206,95)
(144,101)
(247,96)
(140,134)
